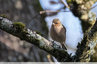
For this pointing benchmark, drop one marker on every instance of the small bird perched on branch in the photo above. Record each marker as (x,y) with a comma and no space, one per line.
(58,32)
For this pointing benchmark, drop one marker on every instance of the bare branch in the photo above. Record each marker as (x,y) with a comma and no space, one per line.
(88,19)
(18,29)
(65,4)
(93,6)
(49,11)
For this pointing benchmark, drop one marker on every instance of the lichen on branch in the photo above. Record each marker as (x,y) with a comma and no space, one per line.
(19,30)
(81,9)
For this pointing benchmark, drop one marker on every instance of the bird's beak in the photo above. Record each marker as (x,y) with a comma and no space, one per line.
(53,23)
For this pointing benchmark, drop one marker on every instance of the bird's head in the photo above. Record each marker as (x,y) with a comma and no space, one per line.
(56,22)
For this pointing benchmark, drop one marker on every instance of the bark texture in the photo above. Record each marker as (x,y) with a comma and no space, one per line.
(82,9)
(22,11)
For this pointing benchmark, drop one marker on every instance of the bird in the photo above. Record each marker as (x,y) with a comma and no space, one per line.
(58,32)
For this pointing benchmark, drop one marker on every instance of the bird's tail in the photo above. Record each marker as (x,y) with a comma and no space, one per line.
(64,47)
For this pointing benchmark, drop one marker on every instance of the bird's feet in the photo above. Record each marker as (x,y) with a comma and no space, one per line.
(64,47)
(54,44)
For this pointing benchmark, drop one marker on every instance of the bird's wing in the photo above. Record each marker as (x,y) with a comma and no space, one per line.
(63,33)
(64,27)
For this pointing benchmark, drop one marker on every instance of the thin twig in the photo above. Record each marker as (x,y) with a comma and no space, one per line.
(49,11)
(65,4)
(93,6)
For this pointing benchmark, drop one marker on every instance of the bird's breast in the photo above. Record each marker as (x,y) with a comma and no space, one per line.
(56,34)
(57,29)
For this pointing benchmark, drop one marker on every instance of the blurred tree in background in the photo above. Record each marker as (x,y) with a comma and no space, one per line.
(12,48)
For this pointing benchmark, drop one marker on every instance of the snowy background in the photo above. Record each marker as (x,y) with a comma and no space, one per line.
(74,32)
(95,9)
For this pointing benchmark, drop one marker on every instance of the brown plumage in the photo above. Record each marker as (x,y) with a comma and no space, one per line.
(58,32)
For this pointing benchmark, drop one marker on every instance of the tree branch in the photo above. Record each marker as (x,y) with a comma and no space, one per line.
(18,29)
(49,11)
(86,48)
(65,4)
(81,9)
